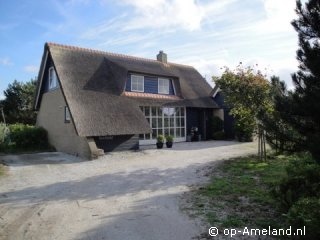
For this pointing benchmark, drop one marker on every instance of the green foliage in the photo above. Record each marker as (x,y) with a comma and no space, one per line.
(160,138)
(18,102)
(219,135)
(28,137)
(247,93)
(303,180)
(305,212)
(300,108)
(239,193)
(25,137)
(169,138)
(4,133)
(298,195)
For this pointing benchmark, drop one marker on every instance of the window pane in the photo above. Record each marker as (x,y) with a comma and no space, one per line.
(159,122)
(182,122)
(148,119)
(154,111)
(160,132)
(171,122)
(159,112)
(163,85)
(182,132)
(141,136)
(147,136)
(154,133)
(172,132)
(178,122)
(137,83)
(178,132)
(166,131)
(154,123)
(166,122)
(178,112)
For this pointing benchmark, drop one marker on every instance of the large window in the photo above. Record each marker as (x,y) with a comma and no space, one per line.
(163,85)
(53,82)
(137,83)
(165,121)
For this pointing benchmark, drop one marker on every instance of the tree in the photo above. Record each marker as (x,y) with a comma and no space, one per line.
(18,102)
(300,108)
(281,136)
(246,92)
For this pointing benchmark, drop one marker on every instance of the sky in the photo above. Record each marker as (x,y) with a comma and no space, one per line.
(207,34)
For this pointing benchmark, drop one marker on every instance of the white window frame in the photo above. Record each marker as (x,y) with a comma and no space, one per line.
(53,81)
(67,117)
(149,140)
(161,87)
(139,79)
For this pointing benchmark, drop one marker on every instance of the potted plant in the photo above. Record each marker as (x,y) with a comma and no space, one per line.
(169,141)
(160,141)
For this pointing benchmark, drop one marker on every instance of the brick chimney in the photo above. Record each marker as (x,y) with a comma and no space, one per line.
(162,57)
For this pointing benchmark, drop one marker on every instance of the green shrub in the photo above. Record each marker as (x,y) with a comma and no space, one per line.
(169,138)
(160,138)
(218,135)
(305,212)
(28,137)
(4,134)
(302,181)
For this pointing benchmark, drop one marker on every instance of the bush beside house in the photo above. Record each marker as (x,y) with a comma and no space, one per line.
(21,137)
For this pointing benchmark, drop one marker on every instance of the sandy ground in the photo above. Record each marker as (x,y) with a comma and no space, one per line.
(128,195)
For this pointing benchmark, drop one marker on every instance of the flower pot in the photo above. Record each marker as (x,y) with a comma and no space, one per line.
(169,144)
(159,145)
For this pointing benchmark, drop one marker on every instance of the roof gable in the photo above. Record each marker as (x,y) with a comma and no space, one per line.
(93,83)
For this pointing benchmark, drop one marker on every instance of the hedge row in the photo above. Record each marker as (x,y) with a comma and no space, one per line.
(23,137)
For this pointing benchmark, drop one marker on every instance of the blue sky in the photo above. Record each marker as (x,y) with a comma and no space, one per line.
(207,34)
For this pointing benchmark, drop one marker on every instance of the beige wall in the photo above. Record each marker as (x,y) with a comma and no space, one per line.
(218,113)
(61,135)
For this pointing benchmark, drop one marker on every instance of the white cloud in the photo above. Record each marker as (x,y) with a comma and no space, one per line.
(165,14)
(31,69)
(5,62)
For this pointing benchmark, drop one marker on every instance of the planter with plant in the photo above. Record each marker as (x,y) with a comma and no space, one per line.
(169,141)
(160,141)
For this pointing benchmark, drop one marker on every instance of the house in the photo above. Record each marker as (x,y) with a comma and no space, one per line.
(224,112)
(92,102)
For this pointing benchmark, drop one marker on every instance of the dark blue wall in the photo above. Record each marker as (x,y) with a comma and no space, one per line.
(150,85)
(228,119)
(118,143)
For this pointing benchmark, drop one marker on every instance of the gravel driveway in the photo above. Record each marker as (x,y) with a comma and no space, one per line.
(128,195)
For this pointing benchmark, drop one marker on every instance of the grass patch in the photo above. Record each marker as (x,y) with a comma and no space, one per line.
(239,193)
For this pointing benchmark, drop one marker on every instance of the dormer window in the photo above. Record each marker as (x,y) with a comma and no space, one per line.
(137,83)
(163,85)
(53,82)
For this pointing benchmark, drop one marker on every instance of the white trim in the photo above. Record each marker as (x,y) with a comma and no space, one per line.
(41,78)
(216,92)
(164,79)
(174,88)
(142,82)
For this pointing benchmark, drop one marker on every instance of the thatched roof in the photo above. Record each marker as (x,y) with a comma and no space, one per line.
(93,84)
